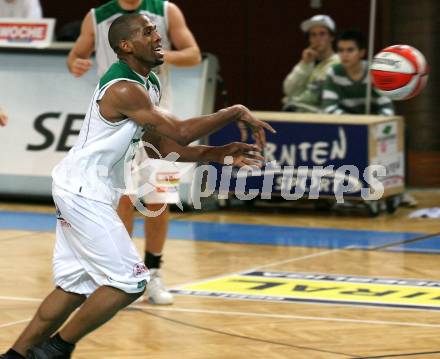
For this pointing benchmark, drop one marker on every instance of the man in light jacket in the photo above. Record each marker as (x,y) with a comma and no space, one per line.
(303,85)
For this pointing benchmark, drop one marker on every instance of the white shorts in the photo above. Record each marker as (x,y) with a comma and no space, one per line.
(158,179)
(93,248)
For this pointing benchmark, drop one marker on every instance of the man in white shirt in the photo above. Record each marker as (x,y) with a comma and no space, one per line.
(3,118)
(30,9)
(19,9)
(302,87)
(181,49)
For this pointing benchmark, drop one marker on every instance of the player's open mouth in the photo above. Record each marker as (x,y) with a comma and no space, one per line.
(158,50)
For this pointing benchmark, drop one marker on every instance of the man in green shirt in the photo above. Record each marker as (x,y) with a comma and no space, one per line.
(345,87)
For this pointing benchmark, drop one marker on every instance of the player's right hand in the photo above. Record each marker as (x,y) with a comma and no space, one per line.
(80,66)
(242,154)
(309,55)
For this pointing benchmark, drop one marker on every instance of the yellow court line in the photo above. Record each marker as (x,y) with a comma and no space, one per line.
(272,264)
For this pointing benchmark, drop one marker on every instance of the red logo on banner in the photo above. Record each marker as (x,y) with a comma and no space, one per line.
(23,32)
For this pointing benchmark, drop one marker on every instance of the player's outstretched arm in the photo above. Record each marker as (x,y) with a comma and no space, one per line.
(78,60)
(242,154)
(127,99)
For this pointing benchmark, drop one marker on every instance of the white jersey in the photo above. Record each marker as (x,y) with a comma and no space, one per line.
(94,167)
(30,9)
(103,16)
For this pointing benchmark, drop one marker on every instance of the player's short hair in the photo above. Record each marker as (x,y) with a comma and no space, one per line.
(353,35)
(121,29)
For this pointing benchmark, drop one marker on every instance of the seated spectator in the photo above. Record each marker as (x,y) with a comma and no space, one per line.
(30,9)
(303,86)
(345,87)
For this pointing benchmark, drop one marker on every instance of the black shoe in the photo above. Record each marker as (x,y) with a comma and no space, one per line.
(51,349)
(11,354)
(46,350)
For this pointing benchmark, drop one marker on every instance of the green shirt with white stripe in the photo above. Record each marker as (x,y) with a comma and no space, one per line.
(342,94)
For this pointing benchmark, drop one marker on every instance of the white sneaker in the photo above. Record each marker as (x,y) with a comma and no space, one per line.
(156,291)
(408,200)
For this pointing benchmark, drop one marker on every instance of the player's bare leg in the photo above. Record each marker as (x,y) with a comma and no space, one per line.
(156,230)
(126,213)
(99,308)
(51,314)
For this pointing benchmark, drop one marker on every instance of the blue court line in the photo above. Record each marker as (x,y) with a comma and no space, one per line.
(27,221)
(282,235)
(246,233)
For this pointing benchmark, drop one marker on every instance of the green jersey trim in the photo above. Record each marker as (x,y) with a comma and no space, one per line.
(120,70)
(154,79)
(106,11)
(156,7)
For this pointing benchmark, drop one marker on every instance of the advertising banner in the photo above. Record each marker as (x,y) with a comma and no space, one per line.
(304,158)
(36,33)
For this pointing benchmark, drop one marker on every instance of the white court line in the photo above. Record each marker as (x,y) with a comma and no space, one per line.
(18,236)
(18,299)
(286,316)
(247,314)
(295,259)
(10,324)
(21,299)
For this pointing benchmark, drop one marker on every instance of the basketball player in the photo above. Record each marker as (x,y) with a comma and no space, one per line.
(172,28)
(95,262)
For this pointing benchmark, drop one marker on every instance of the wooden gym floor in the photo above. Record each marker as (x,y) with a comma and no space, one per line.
(260,252)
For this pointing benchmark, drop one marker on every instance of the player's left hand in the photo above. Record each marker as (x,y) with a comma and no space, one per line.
(243,154)
(246,118)
(243,131)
